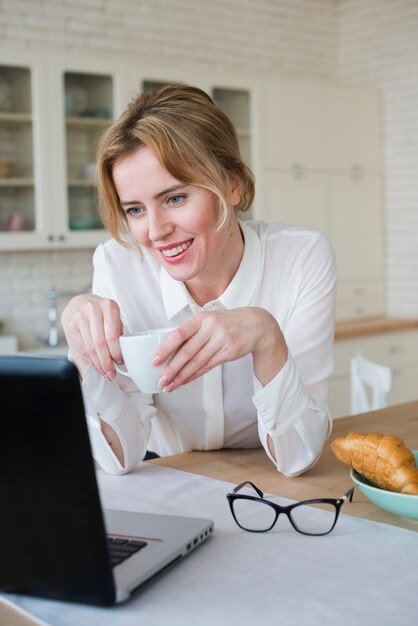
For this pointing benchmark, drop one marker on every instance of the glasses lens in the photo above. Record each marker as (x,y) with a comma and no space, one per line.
(254,514)
(314,520)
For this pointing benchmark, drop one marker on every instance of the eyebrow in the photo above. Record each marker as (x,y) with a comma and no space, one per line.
(157,195)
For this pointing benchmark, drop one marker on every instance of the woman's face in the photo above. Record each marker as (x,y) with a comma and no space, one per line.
(176,222)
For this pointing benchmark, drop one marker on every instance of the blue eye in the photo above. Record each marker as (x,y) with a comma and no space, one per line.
(176,199)
(134,211)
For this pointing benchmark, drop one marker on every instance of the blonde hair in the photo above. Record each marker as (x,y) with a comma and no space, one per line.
(190,136)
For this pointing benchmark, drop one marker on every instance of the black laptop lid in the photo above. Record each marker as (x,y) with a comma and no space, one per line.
(52,533)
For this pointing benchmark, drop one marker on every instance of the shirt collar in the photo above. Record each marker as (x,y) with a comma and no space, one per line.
(239,291)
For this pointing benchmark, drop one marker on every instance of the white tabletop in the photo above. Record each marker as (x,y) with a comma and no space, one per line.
(363,573)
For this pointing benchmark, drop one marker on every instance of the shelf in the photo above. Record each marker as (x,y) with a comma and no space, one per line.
(243,133)
(9,117)
(81,182)
(89,122)
(16,182)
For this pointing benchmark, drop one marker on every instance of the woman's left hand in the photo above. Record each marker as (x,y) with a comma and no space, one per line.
(211,338)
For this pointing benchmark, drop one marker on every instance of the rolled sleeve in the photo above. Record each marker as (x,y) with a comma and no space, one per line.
(131,422)
(283,401)
(297,423)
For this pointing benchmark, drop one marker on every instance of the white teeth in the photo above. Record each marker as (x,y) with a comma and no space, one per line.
(177,249)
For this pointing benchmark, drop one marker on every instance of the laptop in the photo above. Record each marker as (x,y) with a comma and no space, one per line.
(57,542)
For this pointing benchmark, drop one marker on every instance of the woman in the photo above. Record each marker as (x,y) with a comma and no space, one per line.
(253,303)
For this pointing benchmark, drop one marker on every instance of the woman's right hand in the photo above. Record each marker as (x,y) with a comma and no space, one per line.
(92,327)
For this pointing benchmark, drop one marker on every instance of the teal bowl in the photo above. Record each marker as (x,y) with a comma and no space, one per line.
(398,503)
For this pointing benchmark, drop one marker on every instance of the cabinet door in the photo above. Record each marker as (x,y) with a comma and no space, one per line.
(360,298)
(297,200)
(351,128)
(23,121)
(339,397)
(356,226)
(84,108)
(292,125)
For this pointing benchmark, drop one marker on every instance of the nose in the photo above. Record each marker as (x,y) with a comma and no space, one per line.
(159,226)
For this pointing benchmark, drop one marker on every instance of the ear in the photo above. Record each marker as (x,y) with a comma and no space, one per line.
(234,190)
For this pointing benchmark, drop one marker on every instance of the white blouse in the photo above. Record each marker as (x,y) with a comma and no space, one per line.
(286,270)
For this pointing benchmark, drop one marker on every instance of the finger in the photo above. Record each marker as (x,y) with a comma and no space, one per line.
(183,379)
(98,341)
(170,345)
(88,343)
(113,329)
(205,358)
(185,353)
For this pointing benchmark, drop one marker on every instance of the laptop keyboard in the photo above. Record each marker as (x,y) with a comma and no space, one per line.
(121,549)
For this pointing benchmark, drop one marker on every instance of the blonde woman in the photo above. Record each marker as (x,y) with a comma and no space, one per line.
(253,303)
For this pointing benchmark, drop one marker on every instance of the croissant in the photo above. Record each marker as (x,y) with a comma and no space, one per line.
(382,459)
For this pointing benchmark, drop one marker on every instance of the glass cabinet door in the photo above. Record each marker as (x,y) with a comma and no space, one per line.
(88,101)
(236,104)
(17,187)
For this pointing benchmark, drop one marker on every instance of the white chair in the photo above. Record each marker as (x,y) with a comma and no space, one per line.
(369,379)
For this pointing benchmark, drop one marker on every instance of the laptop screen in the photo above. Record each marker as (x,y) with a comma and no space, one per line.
(54,541)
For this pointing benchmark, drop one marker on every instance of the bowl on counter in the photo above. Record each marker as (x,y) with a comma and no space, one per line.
(398,503)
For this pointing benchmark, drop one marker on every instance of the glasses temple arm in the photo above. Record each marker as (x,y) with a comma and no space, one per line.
(348,495)
(247,482)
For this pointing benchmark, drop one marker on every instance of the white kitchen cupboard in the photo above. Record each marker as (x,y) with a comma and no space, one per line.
(23,124)
(69,108)
(314,151)
(71,100)
(321,165)
(398,350)
(88,98)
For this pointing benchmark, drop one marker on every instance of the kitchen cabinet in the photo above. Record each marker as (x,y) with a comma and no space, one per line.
(61,106)
(21,120)
(321,169)
(56,113)
(314,150)
(87,98)
(397,350)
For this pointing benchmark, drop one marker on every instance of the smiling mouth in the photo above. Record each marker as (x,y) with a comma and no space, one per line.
(176,250)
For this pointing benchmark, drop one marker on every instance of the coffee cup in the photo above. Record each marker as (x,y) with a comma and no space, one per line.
(138,350)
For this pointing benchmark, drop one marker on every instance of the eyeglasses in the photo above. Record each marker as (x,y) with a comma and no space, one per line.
(309,517)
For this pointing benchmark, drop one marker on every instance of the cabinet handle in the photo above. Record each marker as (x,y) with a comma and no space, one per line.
(298,170)
(50,237)
(357,172)
(61,237)
(394,349)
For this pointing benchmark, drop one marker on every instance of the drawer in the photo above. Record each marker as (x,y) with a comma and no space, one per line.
(359,308)
(360,289)
(356,300)
(392,349)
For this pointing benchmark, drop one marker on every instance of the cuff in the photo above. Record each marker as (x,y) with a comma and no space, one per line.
(282,401)
(106,398)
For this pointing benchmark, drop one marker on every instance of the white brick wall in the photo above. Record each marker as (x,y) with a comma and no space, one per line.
(368,42)
(378,47)
(287,36)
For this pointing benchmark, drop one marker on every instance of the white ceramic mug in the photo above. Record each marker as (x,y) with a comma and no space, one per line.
(138,350)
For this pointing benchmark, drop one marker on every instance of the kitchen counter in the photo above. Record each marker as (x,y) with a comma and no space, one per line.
(372,326)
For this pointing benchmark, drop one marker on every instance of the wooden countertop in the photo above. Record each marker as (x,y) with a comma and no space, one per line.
(329,477)
(372,326)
